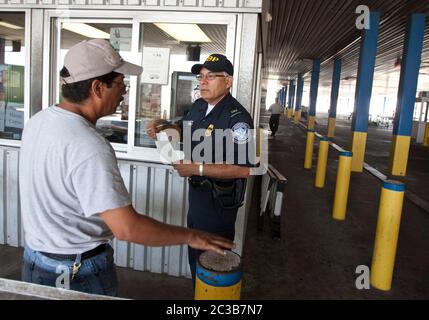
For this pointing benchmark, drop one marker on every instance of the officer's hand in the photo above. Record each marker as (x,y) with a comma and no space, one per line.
(186,169)
(153,127)
(206,241)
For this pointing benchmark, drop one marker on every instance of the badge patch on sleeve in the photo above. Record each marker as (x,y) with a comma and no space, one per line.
(240,132)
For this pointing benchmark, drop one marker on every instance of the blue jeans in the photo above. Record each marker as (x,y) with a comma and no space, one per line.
(97,275)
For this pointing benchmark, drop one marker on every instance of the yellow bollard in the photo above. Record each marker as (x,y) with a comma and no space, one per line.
(342,185)
(386,236)
(426,136)
(322,161)
(289,113)
(331,128)
(297,117)
(218,277)
(310,122)
(308,160)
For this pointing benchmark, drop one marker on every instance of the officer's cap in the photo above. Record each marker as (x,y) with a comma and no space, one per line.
(216,63)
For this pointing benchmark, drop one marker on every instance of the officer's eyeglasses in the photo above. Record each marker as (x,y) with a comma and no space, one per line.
(210,76)
(125,87)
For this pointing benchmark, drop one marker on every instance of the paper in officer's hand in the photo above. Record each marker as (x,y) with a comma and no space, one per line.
(167,153)
(162,136)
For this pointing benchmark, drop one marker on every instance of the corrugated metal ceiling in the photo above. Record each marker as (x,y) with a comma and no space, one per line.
(302,30)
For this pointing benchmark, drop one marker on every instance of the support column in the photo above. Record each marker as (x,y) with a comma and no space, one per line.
(336,76)
(286,111)
(284,97)
(314,87)
(299,91)
(403,122)
(368,51)
(291,98)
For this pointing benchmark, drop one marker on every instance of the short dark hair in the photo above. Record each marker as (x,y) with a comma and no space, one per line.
(78,92)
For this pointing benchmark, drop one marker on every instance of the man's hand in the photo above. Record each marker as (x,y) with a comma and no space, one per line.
(186,169)
(126,224)
(206,241)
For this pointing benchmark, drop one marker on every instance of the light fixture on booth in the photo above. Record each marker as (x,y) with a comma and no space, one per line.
(85,30)
(10,25)
(184,32)
(193,52)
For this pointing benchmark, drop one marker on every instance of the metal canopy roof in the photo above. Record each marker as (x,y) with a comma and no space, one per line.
(302,30)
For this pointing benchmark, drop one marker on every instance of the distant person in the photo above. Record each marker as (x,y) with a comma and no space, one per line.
(275,109)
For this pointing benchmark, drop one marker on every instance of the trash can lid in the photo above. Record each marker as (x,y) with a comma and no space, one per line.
(220,263)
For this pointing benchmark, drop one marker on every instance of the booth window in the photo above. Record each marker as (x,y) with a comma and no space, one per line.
(12,62)
(113,127)
(167,88)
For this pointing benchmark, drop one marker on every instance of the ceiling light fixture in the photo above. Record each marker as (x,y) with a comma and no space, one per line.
(10,25)
(85,30)
(184,32)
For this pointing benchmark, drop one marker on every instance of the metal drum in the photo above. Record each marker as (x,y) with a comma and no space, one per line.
(218,276)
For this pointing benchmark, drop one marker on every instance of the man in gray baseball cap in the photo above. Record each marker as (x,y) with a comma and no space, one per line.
(73,198)
(94,58)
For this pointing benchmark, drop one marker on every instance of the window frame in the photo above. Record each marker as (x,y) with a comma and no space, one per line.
(53,18)
(27,67)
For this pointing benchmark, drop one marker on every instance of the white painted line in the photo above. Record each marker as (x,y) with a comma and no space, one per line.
(423,204)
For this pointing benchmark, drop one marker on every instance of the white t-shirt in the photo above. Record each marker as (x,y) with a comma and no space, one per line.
(275,108)
(68,174)
(210,108)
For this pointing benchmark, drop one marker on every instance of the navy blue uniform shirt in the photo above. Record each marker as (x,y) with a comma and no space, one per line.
(214,144)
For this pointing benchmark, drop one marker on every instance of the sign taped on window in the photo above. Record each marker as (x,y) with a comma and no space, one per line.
(120,38)
(156,63)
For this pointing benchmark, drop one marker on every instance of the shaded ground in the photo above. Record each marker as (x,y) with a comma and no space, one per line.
(317,256)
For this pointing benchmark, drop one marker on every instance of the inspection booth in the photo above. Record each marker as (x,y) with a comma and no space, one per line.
(166,38)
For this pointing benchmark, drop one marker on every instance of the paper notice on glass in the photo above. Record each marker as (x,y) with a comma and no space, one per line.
(167,153)
(156,63)
(120,38)
(14,116)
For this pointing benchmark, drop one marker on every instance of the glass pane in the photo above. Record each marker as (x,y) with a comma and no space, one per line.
(167,88)
(113,127)
(12,61)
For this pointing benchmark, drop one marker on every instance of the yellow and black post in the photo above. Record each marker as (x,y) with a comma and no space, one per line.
(308,160)
(322,161)
(386,237)
(342,185)
(218,277)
